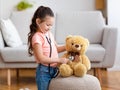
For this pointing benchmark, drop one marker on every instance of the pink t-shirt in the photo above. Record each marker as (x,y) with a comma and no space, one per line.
(40,38)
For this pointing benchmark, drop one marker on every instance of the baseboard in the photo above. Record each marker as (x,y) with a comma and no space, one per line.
(114,68)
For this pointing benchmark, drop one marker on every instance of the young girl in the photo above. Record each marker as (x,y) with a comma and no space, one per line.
(43,46)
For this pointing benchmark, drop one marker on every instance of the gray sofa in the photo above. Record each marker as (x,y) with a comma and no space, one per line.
(90,24)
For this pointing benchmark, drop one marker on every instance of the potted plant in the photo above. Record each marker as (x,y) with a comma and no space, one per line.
(23,5)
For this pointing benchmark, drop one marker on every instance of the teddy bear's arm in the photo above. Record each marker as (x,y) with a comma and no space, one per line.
(86,61)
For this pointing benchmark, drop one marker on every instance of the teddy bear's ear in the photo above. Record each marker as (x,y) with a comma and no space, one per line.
(68,37)
(87,41)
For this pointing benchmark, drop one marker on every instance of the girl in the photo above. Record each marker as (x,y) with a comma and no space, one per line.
(43,46)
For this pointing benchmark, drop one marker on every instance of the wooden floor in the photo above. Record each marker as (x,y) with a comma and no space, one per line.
(110,80)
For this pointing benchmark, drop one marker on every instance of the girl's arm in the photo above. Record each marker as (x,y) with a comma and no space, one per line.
(38,53)
(60,48)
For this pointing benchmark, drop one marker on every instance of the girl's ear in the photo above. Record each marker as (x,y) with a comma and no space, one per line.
(38,21)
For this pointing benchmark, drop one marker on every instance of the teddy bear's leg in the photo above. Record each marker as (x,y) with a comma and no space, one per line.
(65,70)
(86,62)
(80,70)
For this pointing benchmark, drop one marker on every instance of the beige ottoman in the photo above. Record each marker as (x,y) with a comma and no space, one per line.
(88,82)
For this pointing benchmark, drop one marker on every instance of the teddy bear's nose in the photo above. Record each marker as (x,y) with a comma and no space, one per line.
(76,46)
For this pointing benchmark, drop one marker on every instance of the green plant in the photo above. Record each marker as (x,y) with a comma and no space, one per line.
(24,4)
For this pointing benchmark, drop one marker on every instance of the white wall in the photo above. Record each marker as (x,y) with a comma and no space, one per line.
(113,14)
(69,5)
(7,6)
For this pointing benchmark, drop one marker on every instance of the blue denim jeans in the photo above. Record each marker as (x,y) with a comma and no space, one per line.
(44,75)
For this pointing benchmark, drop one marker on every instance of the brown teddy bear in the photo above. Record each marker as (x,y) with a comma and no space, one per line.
(78,63)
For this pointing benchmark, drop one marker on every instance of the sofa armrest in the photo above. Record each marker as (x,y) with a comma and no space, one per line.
(1,41)
(109,42)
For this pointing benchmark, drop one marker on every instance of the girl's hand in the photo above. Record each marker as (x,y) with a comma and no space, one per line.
(63,60)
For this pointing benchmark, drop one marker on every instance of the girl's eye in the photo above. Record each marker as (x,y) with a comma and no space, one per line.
(49,25)
(81,45)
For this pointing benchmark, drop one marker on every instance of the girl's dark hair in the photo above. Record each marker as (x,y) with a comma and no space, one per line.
(40,13)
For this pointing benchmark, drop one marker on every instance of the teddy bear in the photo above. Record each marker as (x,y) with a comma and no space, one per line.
(78,63)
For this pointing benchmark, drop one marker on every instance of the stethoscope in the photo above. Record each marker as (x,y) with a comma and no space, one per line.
(49,42)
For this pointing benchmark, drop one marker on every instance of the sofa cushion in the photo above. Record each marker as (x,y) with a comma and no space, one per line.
(10,33)
(88,24)
(95,53)
(22,21)
(16,54)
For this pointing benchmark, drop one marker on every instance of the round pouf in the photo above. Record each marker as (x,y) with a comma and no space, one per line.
(88,82)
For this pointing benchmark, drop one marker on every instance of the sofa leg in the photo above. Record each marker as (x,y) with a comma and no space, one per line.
(17,73)
(8,77)
(97,73)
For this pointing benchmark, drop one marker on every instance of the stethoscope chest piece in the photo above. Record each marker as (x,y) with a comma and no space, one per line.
(71,58)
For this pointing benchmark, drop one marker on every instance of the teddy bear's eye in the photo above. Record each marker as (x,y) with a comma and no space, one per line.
(81,45)
(72,43)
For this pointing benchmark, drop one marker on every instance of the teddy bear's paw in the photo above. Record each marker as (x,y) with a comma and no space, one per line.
(80,70)
(65,70)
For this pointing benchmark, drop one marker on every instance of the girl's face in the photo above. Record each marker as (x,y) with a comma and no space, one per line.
(46,25)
